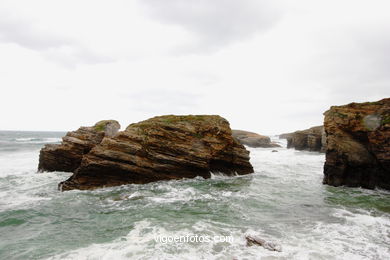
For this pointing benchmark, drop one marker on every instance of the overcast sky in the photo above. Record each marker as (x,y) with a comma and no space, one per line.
(266,66)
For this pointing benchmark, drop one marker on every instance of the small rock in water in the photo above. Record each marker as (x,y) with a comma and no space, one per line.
(252,240)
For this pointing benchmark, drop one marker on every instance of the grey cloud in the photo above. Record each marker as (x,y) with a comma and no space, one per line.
(215,22)
(23,34)
(49,45)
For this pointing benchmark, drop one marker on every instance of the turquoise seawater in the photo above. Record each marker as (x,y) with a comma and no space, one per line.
(284,201)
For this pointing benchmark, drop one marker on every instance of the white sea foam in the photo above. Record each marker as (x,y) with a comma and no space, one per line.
(284,201)
(20,184)
(140,243)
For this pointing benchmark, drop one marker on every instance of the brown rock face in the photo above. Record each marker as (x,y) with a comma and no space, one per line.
(311,139)
(162,148)
(358,145)
(252,139)
(67,155)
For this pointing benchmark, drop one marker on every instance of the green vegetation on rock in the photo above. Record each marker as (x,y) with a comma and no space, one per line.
(385,120)
(99,127)
(338,114)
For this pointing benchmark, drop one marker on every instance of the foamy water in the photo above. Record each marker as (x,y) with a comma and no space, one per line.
(284,201)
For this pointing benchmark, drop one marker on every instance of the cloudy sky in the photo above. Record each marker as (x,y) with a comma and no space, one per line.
(267,66)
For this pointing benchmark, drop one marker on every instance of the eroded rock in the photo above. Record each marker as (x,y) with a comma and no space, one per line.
(358,145)
(162,148)
(67,155)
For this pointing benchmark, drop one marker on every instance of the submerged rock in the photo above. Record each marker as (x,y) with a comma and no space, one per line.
(162,148)
(358,145)
(67,155)
(253,140)
(312,139)
(253,240)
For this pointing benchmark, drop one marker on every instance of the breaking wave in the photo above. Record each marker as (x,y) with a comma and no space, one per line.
(284,201)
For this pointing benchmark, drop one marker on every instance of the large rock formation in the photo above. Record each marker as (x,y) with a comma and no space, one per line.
(312,139)
(253,140)
(67,155)
(162,148)
(358,145)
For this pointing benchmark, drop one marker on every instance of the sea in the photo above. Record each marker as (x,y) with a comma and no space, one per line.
(284,202)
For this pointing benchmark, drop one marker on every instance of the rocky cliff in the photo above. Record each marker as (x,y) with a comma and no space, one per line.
(162,148)
(253,140)
(312,139)
(67,155)
(358,145)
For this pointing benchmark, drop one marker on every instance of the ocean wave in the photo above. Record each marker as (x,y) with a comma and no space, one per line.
(284,201)
(31,140)
(145,234)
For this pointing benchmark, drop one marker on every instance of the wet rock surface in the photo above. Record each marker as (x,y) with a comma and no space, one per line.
(255,240)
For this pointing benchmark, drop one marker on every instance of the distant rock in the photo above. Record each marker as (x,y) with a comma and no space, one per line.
(312,139)
(253,140)
(285,135)
(162,148)
(358,145)
(67,156)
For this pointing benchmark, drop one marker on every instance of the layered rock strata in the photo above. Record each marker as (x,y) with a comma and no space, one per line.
(67,156)
(162,148)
